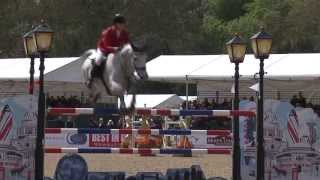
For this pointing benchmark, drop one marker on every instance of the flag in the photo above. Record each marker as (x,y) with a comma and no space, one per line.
(255,87)
(232,89)
(293,127)
(313,134)
(6,122)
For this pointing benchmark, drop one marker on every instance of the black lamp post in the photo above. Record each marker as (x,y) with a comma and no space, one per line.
(31,51)
(261,46)
(42,37)
(236,49)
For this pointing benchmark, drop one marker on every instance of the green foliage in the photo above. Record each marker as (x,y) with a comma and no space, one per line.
(169,26)
(227,10)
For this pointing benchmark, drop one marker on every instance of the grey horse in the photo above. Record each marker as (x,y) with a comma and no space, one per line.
(122,70)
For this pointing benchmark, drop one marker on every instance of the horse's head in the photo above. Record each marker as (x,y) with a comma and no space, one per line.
(138,59)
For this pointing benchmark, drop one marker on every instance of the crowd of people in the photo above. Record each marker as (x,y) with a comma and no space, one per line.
(61,101)
(210,105)
(103,123)
(206,104)
(299,101)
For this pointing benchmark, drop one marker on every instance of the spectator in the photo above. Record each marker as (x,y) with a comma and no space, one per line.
(226,104)
(251,99)
(195,104)
(72,101)
(69,123)
(63,101)
(93,123)
(110,124)
(205,103)
(101,123)
(294,100)
(184,105)
(301,100)
(213,104)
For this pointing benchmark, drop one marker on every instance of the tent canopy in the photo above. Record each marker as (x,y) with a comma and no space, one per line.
(155,100)
(19,68)
(218,67)
(179,67)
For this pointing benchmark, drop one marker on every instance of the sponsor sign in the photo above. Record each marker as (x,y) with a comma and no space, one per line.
(209,141)
(82,140)
(104,140)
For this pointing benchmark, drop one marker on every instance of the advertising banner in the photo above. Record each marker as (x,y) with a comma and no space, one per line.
(114,140)
(82,140)
(291,142)
(18,117)
(104,140)
(209,141)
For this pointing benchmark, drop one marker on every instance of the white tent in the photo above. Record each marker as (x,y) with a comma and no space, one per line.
(19,68)
(218,67)
(14,76)
(155,101)
(286,74)
(213,74)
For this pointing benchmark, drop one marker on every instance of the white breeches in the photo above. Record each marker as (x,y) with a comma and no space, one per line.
(100,57)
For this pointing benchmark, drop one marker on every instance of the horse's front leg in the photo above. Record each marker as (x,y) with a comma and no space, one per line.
(122,103)
(133,103)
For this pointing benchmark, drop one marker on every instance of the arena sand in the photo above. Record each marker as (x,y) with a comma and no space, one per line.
(212,165)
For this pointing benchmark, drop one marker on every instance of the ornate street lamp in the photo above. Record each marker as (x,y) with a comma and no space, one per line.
(261,46)
(42,37)
(236,49)
(31,51)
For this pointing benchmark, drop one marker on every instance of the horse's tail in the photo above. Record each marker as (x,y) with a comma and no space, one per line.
(85,65)
(87,53)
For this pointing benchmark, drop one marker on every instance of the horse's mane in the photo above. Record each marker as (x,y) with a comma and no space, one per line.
(87,53)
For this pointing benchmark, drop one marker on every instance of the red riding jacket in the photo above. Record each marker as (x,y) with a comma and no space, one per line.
(109,39)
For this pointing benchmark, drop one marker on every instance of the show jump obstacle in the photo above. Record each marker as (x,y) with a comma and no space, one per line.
(150,112)
(137,131)
(142,112)
(139,150)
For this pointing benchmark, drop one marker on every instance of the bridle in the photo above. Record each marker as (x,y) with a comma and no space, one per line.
(142,68)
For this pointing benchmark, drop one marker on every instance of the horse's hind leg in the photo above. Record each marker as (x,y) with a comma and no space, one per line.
(93,98)
(122,111)
(133,103)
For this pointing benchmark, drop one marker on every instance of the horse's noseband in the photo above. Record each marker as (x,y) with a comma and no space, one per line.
(140,68)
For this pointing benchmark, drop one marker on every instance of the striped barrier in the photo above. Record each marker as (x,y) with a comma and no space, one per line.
(139,151)
(137,131)
(150,112)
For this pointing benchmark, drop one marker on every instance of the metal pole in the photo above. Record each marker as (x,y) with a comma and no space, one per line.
(236,171)
(31,82)
(260,140)
(187,92)
(39,161)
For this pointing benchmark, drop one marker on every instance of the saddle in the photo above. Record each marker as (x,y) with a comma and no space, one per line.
(97,71)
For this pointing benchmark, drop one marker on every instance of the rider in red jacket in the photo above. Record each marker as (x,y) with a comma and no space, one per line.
(112,39)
